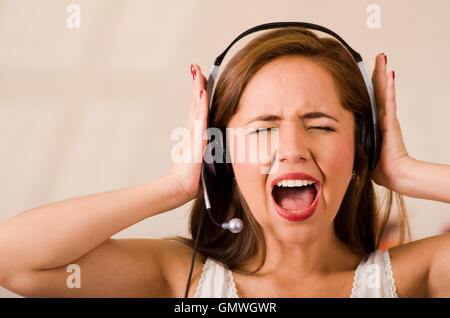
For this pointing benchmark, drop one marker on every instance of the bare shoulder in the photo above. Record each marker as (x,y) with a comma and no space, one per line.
(420,267)
(175,259)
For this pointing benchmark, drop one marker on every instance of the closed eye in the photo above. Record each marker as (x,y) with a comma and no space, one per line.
(313,127)
(259,130)
(322,128)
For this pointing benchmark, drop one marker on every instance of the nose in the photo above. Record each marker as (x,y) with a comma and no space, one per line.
(293,144)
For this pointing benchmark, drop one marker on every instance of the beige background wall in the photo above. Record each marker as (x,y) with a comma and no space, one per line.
(90,110)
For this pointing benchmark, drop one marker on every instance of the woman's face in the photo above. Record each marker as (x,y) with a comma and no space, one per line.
(289,93)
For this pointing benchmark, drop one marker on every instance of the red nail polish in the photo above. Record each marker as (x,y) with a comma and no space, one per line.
(385,59)
(201,93)
(393,75)
(193,72)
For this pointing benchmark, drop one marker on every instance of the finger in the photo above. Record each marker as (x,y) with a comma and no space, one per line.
(199,104)
(202,79)
(390,104)
(199,126)
(197,129)
(380,67)
(194,72)
(203,116)
(204,106)
(379,81)
(199,83)
(194,75)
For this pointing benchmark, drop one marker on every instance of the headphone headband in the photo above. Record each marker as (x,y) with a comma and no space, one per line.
(275,25)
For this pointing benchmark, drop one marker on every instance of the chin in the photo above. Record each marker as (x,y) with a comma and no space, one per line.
(296,234)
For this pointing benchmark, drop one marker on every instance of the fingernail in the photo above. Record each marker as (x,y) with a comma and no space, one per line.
(201,93)
(385,58)
(193,72)
(393,75)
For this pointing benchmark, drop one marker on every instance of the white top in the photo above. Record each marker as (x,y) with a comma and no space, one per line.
(373,279)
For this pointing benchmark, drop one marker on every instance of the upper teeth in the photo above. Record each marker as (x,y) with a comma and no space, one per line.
(294,183)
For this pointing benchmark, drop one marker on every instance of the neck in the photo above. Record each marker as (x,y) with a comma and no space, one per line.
(315,257)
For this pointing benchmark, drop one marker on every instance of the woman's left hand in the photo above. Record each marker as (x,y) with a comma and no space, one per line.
(393,155)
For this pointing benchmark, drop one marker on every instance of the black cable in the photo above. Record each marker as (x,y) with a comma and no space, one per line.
(194,254)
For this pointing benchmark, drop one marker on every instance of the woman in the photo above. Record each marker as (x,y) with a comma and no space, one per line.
(282,77)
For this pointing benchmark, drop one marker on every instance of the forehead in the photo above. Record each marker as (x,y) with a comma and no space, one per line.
(290,85)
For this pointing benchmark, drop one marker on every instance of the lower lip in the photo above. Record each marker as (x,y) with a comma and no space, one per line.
(298,216)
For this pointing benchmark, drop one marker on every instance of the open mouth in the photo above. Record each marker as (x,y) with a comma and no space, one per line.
(295,199)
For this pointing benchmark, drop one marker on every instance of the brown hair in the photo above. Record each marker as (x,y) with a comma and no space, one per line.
(359,222)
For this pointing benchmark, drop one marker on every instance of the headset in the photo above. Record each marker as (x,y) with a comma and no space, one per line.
(369,133)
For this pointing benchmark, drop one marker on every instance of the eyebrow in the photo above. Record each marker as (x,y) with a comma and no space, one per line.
(309,115)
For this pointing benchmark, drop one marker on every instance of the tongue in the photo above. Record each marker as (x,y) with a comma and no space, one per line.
(296,198)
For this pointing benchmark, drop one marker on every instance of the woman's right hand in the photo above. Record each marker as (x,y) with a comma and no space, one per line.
(186,174)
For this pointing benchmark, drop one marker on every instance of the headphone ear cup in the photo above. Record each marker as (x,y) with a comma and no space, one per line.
(227,167)
(365,139)
(208,158)
(214,150)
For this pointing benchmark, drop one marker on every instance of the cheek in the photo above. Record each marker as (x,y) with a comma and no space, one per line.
(337,165)
(339,156)
(251,184)
(248,174)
